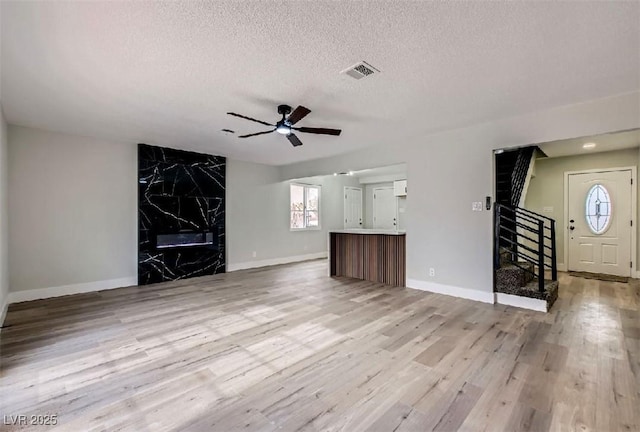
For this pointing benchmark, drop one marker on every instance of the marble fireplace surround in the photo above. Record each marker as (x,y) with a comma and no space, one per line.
(181,214)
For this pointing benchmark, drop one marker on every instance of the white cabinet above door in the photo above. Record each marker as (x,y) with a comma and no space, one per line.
(400,187)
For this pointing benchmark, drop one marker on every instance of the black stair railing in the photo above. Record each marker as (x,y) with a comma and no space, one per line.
(527,237)
(519,173)
(512,170)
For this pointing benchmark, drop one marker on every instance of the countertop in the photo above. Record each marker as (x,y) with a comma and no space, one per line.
(368,231)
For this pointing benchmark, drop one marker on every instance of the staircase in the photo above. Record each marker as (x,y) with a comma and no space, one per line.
(511,174)
(527,265)
(525,247)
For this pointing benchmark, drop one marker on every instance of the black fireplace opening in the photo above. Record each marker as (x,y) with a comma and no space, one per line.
(186,239)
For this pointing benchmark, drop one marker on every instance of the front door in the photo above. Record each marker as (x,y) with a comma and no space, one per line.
(384,208)
(599,211)
(352,207)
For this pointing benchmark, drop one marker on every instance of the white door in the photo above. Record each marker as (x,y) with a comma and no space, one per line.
(352,207)
(384,208)
(599,222)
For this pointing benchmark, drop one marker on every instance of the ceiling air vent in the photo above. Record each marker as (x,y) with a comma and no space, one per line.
(360,70)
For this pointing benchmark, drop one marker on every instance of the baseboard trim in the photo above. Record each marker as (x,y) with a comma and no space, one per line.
(450,290)
(521,302)
(275,261)
(59,291)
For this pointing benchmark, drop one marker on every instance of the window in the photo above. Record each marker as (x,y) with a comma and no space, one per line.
(305,207)
(598,209)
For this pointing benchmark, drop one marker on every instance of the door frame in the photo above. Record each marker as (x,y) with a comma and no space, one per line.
(373,208)
(634,212)
(344,207)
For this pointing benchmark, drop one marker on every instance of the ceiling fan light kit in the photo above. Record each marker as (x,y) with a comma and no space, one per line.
(285,125)
(283,129)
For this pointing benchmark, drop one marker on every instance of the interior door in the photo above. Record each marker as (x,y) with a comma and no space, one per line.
(599,211)
(384,208)
(352,207)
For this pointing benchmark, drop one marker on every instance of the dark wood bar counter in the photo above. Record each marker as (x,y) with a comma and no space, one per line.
(373,255)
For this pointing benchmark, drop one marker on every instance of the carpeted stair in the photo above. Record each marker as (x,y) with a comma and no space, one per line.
(518,279)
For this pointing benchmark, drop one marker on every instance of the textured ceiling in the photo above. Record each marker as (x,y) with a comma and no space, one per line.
(167,72)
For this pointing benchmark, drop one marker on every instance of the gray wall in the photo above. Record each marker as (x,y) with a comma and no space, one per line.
(73,212)
(4,213)
(72,200)
(546,189)
(72,209)
(258,214)
(447,171)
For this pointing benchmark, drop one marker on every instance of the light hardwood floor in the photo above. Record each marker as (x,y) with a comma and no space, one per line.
(288,348)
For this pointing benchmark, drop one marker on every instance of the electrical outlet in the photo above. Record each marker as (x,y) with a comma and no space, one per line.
(432,272)
(254,254)
(476,206)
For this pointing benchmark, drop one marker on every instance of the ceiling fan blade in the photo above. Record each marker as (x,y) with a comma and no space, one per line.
(298,114)
(257,133)
(322,131)
(249,118)
(294,140)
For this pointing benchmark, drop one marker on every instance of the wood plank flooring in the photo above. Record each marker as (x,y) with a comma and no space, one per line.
(287,348)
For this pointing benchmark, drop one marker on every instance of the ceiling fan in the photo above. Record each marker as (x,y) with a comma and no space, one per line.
(285,126)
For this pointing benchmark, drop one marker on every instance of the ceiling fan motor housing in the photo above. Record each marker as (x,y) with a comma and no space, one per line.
(284,109)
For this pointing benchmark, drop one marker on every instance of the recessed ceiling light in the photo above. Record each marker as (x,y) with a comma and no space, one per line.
(588,145)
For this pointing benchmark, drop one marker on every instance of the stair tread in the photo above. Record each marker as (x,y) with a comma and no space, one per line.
(510,276)
(510,265)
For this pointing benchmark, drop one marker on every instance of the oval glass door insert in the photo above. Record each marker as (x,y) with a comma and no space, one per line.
(598,209)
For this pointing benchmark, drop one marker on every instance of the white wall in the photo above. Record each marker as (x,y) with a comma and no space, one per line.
(4,214)
(546,189)
(72,210)
(402,212)
(447,171)
(258,215)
